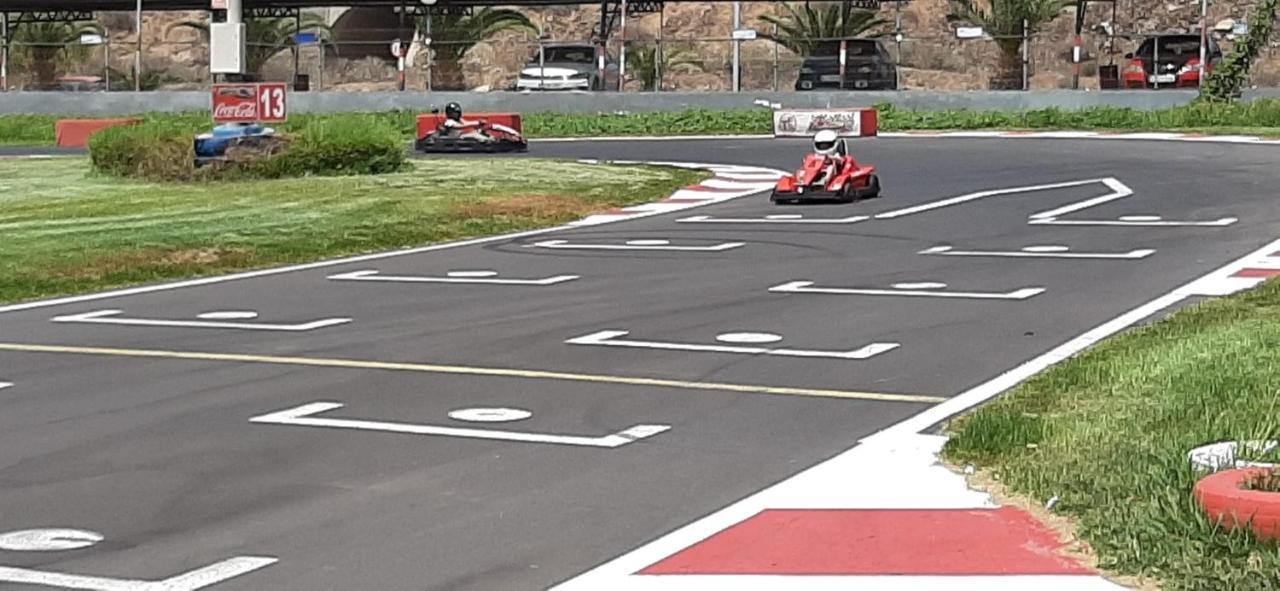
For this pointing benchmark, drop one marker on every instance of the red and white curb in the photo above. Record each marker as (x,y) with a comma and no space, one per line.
(729,182)
(885,515)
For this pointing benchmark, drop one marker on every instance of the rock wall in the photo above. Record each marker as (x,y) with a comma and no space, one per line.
(930,55)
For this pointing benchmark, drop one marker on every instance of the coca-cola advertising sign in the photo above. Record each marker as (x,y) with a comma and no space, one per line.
(250,103)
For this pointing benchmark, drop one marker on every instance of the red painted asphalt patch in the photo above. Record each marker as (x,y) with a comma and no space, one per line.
(1257,273)
(1003,541)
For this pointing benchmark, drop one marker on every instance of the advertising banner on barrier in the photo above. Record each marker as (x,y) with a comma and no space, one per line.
(250,103)
(807,122)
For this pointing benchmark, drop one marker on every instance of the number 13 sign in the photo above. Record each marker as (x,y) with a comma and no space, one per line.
(250,103)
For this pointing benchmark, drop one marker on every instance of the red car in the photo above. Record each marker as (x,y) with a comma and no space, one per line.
(1169,61)
(817,181)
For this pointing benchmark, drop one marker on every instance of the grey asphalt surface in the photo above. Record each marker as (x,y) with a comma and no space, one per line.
(159,455)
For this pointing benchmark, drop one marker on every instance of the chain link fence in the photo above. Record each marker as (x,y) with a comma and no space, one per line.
(687,47)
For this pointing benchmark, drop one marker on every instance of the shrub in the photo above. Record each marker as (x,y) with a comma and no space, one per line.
(355,144)
(151,150)
(164,149)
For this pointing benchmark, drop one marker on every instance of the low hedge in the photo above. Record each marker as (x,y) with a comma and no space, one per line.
(163,149)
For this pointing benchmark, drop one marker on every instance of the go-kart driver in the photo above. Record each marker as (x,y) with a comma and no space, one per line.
(826,144)
(456,125)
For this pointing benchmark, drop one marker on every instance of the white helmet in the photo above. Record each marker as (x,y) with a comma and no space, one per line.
(825,142)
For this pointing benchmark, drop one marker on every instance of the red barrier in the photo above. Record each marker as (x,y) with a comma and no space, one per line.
(75,133)
(429,123)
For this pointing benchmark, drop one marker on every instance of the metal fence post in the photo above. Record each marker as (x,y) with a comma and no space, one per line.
(775,58)
(4,52)
(1026,50)
(737,47)
(137,54)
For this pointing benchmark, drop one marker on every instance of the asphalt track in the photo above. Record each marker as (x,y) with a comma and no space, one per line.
(130,432)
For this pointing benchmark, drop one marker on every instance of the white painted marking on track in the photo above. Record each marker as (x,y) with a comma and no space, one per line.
(827,485)
(565,244)
(228,315)
(109,317)
(200,578)
(807,287)
(371,275)
(1046,248)
(52,539)
(920,285)
(951,251)
(1136,220)
(757,338)
(4,385)
(472,274)
(1118,190)
(610,338)
(302,416)
(648,242)
(772,219)
(490,415)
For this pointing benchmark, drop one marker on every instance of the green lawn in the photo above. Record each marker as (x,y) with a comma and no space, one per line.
(1108,431)
(67,230)
(1259,117)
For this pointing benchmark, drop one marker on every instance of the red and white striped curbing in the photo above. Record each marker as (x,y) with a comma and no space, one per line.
(883,516)
(728,182)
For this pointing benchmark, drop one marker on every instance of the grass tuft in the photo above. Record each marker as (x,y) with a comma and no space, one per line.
(70,231)
(1108,432)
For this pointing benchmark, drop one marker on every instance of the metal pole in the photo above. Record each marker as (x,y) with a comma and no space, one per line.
(430,52)
(4,52)
(775,58)
(1026,44)
(137,54)
(897,41)
(657,52)
(1155,66)
(297,28)
(106,59)
(622,52)
(1204,41)
(1081,6)
(737,47)
(402,50)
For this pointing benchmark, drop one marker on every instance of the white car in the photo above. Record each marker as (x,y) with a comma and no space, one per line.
(568,67)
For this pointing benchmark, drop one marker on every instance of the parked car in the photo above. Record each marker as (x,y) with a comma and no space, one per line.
(868,66)
(568,67)
(1169,61)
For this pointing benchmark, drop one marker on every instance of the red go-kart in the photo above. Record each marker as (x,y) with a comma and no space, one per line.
(816,181)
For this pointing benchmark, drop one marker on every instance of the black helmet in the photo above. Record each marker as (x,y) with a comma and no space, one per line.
(453,111)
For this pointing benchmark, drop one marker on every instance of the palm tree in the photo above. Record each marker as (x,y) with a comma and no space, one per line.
(1003,20)
(43,45)
(454,33)
(804,28)
(267,37)
(643,64)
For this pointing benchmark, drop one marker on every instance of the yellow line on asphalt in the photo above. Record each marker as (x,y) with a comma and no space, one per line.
(469,370)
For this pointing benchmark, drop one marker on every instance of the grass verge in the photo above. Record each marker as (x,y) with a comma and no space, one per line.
(1108,432)
(1259,117)
(68,231)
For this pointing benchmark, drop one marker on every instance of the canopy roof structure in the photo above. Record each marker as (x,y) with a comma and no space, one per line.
(155,5)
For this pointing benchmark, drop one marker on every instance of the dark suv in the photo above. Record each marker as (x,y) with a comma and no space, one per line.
(868,66)
(1169,61)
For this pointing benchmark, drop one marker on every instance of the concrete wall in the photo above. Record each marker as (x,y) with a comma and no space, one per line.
(118,103)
